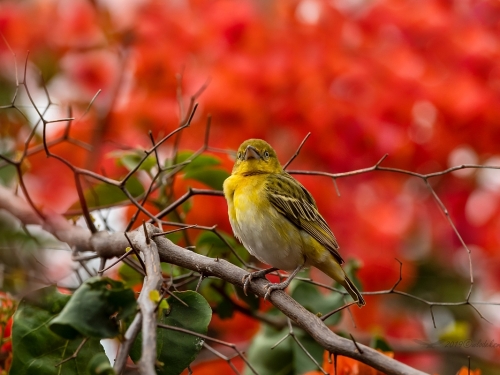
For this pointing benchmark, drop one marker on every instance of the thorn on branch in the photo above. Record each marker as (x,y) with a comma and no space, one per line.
(336,186)
(202,277)
(136,253)
(297,152)
(148,240)
(101,266)
(102,270)
(84,266)
(176,298)
(203,87)
(381,160)
(195,107)
(174,230)
(400,274)
(207,131)
(356,344)
(327,315)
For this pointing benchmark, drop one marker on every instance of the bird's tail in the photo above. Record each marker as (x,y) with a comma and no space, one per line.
(353,291)
(333,269)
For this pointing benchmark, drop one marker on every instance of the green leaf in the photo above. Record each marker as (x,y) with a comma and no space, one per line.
(91,310)
(186,206)
(224,309)
(267,361)
(19,251)
(176,349)
(99,365)
(310,297)
(302,362)
(251,300)
(200,161)
(209,176)
(104,195)
(7,174)
(378,342)
(287,358)
(201,169)
(36,349)
(208,243)
(131,158)
(171,270)
(129,275)
(48,63)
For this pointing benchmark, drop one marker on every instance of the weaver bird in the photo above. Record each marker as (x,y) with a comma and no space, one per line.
(277,219)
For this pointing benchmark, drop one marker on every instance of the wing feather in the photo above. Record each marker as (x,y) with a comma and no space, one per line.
(294,202)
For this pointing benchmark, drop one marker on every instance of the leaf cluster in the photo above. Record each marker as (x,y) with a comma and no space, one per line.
(56,333)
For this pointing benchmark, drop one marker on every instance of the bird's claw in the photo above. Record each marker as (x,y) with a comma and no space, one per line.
(271,287)
(246,280)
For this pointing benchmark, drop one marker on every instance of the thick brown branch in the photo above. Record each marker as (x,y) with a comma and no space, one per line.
(172,253)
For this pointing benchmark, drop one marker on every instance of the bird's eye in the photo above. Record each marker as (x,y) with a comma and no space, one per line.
(266,154)
(239,155)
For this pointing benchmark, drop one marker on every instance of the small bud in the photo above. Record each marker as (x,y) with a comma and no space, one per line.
(154,296)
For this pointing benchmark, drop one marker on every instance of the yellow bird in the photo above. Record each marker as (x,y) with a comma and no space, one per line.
(277,219)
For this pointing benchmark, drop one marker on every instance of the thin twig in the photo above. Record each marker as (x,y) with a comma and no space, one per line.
(75,354)
(208,338)
(297,152)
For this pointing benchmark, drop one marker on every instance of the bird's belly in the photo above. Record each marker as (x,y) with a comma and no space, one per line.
(269,236)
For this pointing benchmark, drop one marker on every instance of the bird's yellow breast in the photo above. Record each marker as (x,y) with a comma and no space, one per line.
(245,194)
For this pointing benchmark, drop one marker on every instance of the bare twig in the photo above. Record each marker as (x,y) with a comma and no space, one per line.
(222,356)
(296,152)
(292,334)
(204,337)
(75,354)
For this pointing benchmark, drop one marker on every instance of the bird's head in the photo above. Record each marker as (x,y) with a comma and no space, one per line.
(256,156)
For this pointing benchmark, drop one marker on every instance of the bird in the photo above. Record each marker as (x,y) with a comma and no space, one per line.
(277,220)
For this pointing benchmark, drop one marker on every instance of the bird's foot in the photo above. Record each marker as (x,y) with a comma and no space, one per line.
(271,287)
(282,286)
(247,279)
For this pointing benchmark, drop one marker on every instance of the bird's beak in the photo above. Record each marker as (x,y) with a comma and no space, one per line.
(251,153)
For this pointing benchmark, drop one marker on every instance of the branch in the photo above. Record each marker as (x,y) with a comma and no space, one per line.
(147,304)
(296,152)
(171,253)
(130,335)
(108,245)
(18,207)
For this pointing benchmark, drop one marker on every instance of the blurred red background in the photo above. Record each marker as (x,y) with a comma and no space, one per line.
(419,80)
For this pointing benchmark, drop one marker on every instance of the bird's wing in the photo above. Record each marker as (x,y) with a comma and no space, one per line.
(294,202)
